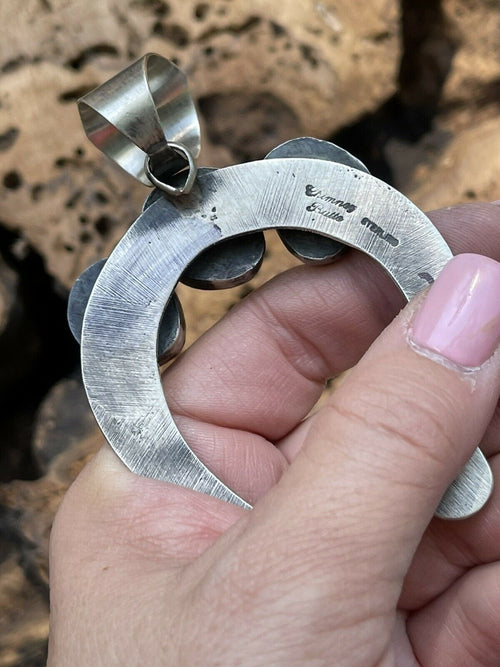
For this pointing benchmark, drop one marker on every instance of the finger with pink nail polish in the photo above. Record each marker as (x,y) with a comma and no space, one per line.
(460,317)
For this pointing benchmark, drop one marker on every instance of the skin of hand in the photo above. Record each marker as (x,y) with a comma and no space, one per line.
(341,561)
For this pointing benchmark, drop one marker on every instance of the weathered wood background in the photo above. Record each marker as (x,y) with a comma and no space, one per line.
(412,88)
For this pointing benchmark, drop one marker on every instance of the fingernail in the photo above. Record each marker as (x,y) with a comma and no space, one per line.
(460,316)
(496,202)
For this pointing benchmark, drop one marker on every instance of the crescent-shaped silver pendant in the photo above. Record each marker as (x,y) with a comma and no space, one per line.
(123,314)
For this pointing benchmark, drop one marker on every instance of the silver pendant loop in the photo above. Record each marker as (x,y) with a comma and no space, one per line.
(141,112)
(161,184)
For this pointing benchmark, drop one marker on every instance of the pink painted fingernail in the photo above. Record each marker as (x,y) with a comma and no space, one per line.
(460,316)
(496,202)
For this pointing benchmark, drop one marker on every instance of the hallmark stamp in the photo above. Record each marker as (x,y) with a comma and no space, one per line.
(380,232)
(342,207)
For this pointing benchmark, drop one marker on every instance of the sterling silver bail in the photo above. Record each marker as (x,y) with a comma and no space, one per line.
(145,120)
(318,197)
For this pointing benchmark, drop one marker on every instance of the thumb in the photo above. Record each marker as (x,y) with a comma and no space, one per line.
(377,459)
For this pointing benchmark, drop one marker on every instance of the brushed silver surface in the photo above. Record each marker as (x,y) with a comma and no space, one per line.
(172,329)
(229,263)
(121,321)
(468,492)
(309,247)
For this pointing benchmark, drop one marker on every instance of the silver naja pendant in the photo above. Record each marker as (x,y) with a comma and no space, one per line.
(205,228)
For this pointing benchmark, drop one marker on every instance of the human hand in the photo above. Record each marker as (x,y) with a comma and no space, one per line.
(340,562)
